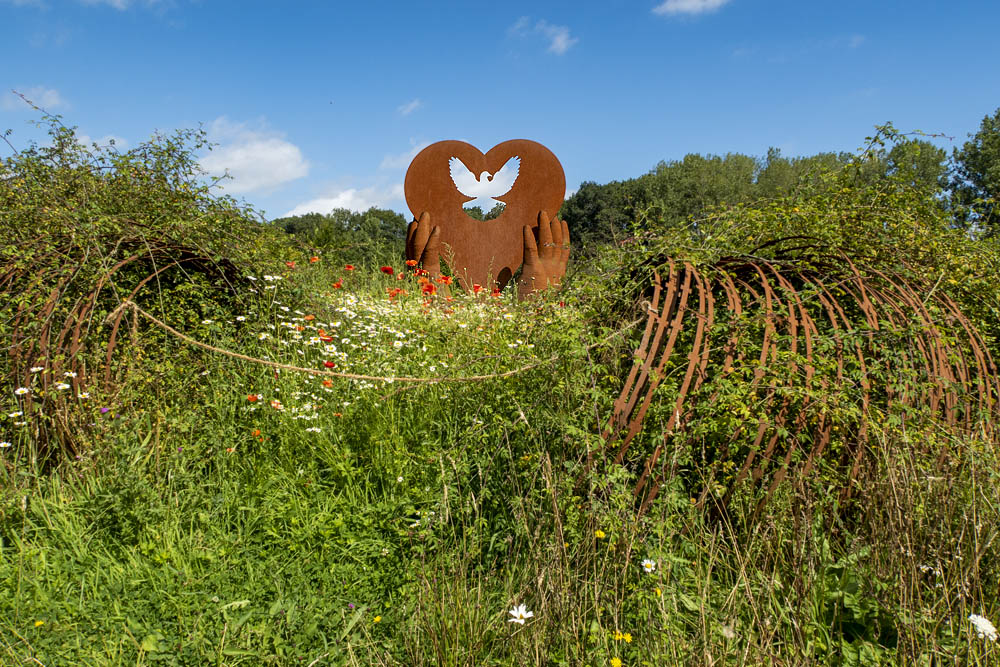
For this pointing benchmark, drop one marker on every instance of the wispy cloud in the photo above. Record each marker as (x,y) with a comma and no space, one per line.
(855,41)
(403,160)
(257,158)
(354,199)
(674,7)
(46,98)
(558,36)
(409,107)
(121,5)
(104,142)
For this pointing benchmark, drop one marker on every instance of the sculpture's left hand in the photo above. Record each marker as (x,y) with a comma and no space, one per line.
(545,260)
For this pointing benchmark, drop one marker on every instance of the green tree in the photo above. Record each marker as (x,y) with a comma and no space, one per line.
(975,177)
(918,163)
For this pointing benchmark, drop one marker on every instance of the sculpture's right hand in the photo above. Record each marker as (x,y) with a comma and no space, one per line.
(423,244)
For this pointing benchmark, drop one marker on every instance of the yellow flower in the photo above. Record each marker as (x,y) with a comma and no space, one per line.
(658,591)
(599,534)
(39,623)
(627,637)
(377,619)
(615,662)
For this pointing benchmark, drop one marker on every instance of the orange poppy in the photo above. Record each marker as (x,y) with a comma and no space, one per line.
(348,267)
(338,285)
(411,262)
(313,260)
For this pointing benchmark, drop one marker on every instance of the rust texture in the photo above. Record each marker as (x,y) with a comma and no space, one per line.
(484,252)
(880,332)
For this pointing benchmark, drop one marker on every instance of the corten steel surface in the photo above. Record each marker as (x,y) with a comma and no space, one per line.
(887,330)
(484,252)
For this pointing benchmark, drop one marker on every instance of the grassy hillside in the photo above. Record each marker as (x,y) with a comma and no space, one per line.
(324,464)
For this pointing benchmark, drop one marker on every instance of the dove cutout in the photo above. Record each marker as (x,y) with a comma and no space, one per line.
(485,188)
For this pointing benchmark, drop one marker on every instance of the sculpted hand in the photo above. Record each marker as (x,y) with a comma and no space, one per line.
(423,244)
(545,260)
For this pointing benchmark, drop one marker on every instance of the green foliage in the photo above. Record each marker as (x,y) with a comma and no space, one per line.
(975,178)
(338,520)
(84,228)
(377,234)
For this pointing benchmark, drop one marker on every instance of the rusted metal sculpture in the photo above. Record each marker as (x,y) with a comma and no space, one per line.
(882,332)
(488,253)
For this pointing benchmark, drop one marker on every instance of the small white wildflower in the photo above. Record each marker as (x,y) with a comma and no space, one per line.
(399,479)
(83,395)
(206,321)
(520,613)
(21,391)
(984,628)
(70,374)
(15,415)
(206,372)
(241,318)
(37,369)
(4,445)
(263,336)
(251,278)
(314,429)
(61,386)
(648,566)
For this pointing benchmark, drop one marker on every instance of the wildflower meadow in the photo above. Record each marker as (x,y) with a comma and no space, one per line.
(221,444)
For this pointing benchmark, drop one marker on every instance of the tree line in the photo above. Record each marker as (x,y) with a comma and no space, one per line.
(966,184)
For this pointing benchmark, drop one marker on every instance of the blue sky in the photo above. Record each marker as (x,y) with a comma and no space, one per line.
(322,104)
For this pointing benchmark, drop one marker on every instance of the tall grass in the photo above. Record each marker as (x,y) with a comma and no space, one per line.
(200,527)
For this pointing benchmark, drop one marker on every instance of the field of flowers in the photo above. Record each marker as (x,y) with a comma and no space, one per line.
(283,458)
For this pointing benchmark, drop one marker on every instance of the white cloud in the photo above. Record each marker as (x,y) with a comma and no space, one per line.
(258,159)
(855,41)
(46,98)
(688,6)
(557,36)
(410,107)
(105,141)
(403,160)
(355,199)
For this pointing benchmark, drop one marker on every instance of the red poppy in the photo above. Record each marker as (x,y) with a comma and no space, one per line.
(256,432)
(495,292)
(309,318)
(476,288)
(429,288)
(338,284)
(290,265)
(388,270)
(329,364)
(348,267)
(327,383)
(411,262)
(252,398)
(400,276)
(313,260)
(420,272)
(444,280)
(326,339)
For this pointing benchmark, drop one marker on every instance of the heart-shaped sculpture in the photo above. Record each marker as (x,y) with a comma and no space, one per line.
(483,252)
